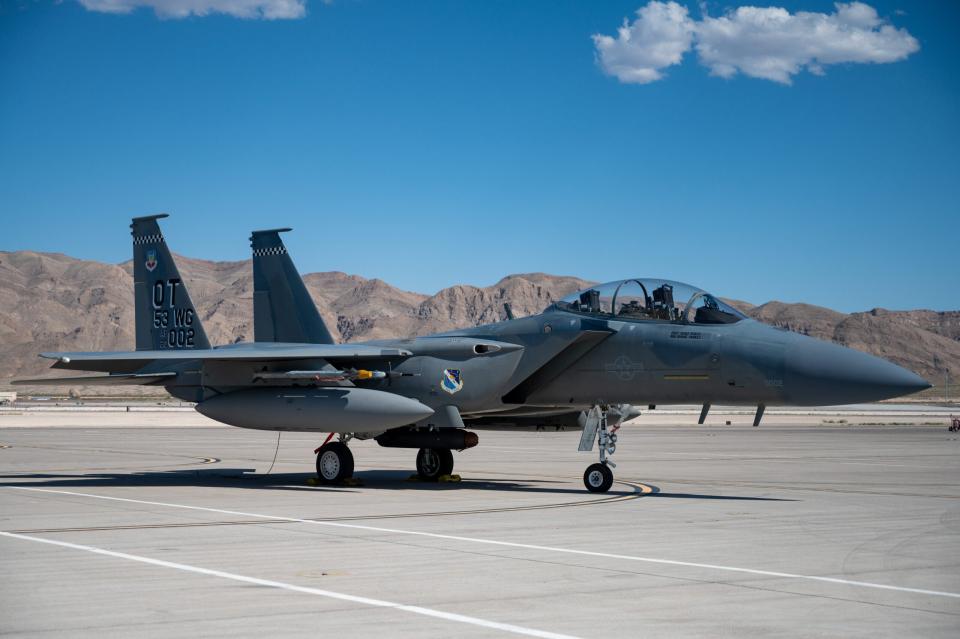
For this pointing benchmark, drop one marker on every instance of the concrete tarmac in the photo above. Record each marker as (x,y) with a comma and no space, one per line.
(804,527)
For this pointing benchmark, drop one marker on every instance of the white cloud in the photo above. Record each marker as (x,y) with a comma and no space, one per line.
(771,43)
(761,42)
(250,9)
(657,39)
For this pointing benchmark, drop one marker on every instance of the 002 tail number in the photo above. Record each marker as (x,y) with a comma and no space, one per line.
(175,324)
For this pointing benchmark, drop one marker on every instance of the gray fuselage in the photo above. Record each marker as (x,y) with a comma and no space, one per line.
(563,361)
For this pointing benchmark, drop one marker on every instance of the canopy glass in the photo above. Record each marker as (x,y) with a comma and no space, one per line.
(651,299)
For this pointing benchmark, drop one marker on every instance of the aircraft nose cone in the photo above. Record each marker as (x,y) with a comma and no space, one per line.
(821,373)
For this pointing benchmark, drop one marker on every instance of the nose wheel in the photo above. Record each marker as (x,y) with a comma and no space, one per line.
(598,478)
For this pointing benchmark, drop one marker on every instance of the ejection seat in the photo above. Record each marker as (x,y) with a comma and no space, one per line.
(707,315)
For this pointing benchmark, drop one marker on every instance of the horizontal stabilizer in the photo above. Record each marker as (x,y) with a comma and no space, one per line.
(132,379)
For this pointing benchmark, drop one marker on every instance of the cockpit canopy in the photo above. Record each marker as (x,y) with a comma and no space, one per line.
(651,299)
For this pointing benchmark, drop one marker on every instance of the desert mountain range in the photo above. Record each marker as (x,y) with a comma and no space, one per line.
(54,302)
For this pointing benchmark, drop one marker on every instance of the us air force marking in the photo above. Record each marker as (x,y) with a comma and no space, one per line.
(451,381)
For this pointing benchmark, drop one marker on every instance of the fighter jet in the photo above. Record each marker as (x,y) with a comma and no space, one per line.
(585,363)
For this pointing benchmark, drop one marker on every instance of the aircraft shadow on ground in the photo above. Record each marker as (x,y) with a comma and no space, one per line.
(247,478)
(213,477)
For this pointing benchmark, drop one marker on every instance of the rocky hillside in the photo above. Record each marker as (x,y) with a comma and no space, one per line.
(55,302)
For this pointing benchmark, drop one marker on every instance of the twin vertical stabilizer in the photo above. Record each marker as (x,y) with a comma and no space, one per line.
(283,310)
(165,316)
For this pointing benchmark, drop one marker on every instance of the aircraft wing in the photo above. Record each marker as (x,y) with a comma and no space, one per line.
(134,360)
(132,379)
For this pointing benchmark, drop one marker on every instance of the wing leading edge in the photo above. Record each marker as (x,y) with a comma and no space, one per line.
(125,379)
(134,360)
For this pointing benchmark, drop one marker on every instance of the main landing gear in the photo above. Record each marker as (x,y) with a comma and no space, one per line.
(434,463)
(334,462)
(599,477)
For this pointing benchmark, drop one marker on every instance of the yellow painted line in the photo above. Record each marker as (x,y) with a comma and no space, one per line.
(686,378)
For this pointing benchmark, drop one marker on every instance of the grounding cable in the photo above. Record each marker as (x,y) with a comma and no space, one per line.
(276,450)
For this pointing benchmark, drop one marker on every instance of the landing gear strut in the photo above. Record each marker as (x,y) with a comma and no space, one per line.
(433,463)
(599,477)
(334,462)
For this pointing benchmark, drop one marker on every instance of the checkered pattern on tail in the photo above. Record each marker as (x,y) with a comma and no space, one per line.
(155,238)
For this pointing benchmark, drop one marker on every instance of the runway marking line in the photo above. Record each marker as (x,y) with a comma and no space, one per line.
(511,544)
(366,601)
(641,490)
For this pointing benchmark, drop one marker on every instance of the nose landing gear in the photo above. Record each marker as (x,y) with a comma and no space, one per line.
(599,477)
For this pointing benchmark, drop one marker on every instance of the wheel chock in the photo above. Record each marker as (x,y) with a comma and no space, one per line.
(442,479)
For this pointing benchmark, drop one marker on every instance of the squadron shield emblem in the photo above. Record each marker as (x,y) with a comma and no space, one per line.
(151,262)
(451,382)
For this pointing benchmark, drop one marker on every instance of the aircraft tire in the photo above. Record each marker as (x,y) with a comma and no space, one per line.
(334,463)
(598,478)
(432,463)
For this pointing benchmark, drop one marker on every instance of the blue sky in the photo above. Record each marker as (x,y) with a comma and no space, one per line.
(430,144)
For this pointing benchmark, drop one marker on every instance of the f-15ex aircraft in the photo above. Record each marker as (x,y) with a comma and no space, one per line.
(584,363)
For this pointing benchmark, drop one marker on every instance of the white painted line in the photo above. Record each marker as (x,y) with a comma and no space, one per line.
(510,544)
(366,601)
